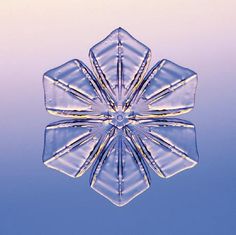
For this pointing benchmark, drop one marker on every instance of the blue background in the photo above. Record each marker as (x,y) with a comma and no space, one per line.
(37,36)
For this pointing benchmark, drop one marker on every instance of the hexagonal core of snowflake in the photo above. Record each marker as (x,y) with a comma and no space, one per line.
(121,118)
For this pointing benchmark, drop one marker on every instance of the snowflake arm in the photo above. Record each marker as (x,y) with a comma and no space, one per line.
(168,89)
(119,61)
(71,90)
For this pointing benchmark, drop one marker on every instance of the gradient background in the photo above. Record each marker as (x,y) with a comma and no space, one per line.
(38,35)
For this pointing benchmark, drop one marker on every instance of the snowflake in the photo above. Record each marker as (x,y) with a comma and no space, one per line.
(120,118)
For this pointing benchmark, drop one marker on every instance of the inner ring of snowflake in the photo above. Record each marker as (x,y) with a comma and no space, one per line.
(121,118)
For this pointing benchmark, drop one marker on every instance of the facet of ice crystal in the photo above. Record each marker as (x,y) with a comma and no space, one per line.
(121,118)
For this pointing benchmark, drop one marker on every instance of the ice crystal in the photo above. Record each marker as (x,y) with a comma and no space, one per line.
(120,118)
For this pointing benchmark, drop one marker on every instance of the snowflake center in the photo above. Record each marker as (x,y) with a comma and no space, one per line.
(119,119)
